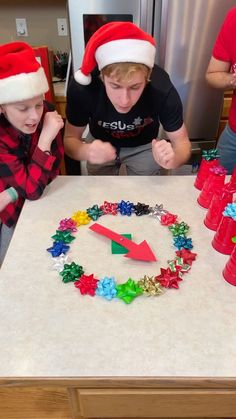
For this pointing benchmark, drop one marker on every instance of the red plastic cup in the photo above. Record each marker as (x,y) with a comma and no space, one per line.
(229,272)
(222,240)
(203,172)
(214,182)
(215,212)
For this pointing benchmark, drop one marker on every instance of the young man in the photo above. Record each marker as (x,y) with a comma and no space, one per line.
(123,108)
(221,74)
(31,147)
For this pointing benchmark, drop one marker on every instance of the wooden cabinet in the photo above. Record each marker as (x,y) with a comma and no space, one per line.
(60,99)
(119,398)
(225,111)
(34,403)
(140,403)
(60,102)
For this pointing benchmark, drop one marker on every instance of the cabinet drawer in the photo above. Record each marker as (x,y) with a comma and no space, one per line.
(156,403)
(34,403)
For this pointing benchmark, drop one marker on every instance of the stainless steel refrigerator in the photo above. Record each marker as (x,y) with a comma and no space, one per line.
(185,31)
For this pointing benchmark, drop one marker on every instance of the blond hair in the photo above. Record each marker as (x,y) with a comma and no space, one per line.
(125,71)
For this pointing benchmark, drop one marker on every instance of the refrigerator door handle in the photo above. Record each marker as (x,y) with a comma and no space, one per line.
(146,15)
(162,35)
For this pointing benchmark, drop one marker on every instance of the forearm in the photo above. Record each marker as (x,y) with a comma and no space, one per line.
(95,152)
(220,80)
(76,148)
(28,180)
(182,153)
(179,148)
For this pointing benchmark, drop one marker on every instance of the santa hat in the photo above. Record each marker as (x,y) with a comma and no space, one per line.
(116,42)
(21,75)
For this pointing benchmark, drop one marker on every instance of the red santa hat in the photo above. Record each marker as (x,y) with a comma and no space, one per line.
(116,42)
(21,75)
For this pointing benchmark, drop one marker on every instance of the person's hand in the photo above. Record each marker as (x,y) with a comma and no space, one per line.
(100,152)
(52,124)
(163,153)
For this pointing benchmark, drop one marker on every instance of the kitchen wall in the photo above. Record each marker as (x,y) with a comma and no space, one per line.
(41,17)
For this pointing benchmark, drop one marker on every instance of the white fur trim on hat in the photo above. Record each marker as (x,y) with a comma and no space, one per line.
(82,78)
(23,86)
(125,50)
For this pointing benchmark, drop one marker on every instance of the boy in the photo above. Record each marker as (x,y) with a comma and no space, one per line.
(123,108)
(30,139)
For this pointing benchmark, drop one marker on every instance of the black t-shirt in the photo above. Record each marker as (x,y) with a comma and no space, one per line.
(159,103)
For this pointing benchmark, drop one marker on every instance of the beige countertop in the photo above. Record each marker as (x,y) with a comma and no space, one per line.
(48,329)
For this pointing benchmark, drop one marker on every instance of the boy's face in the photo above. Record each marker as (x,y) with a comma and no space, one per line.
(25,115)
(125,94)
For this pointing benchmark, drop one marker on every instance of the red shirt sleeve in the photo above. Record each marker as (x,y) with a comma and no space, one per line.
(224,48)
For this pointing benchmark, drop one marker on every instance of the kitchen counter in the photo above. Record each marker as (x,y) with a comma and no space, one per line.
(183,339)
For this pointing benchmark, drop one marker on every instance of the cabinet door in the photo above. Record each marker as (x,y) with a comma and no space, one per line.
(225,112)
(226,106)
(147,403)
(61,106)
(34,403)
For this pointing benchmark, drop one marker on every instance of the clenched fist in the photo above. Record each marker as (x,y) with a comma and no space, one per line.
(163,153)
(52,124)
(101,152)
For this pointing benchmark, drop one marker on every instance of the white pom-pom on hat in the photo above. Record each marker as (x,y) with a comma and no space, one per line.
(82,78)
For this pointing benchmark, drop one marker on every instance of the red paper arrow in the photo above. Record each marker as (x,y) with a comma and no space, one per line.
(140,251)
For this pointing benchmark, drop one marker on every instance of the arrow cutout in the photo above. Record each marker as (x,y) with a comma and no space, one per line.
(140,251)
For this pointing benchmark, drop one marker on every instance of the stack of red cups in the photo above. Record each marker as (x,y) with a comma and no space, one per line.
(229,272)
(210,158)
(220,199)
(221,215)
(227,229)
(214,183)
